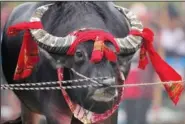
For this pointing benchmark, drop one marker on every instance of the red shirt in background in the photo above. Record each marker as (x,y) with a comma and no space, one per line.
(132,92)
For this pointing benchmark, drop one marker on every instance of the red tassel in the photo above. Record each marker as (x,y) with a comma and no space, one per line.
(143,61)
(164,71)
(98,50)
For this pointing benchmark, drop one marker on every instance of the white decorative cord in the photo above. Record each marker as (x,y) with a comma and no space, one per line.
(50,83)
(7,87)
(45,88)
(148,84)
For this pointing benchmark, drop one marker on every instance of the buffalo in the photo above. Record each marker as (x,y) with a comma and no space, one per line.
(103,22)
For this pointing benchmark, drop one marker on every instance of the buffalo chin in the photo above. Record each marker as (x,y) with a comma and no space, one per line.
(102,100)
(92,104)
(99,107)
(98,101)
(104,94)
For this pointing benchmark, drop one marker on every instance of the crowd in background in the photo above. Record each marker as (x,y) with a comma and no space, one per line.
(167,20)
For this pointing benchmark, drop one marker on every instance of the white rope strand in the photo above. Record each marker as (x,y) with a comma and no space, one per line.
(51,83)
(148,84)
(7,87)
(46,88)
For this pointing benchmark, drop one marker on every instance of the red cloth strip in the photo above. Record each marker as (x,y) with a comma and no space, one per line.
(164,71)
(28,55)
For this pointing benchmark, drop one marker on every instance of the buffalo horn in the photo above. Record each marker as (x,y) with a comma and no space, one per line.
(48,41)
(130,43)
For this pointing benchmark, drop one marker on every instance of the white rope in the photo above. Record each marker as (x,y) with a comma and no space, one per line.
(6,87)
(46,88)
(149,84)
(51,82)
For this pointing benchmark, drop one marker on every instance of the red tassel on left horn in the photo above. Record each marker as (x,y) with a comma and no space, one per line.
(28,56)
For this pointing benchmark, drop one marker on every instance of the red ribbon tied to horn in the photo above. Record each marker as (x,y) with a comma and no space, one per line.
(28,55)
(164,71)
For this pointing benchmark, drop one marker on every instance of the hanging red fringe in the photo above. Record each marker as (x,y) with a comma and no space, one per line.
(28,55)
(98,50)
(164,71)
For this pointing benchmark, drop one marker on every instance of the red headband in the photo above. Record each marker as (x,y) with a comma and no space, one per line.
(100,48)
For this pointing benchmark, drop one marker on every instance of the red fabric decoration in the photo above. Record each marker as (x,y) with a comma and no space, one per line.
(99,48)
(165,72)
(110,55)
(28,56)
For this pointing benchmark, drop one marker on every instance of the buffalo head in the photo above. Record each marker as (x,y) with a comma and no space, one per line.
(79,65)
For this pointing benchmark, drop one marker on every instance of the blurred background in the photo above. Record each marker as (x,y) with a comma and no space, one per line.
(142,104)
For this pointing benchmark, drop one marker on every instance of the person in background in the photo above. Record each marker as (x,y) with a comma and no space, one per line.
(5,11)
(172,33)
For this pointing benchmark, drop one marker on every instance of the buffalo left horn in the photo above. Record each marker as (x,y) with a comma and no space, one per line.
(130,43)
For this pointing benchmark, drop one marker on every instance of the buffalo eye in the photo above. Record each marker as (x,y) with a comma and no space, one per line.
(79,57)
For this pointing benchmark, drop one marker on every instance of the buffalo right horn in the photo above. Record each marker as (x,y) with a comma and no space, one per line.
(48,41)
